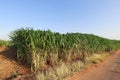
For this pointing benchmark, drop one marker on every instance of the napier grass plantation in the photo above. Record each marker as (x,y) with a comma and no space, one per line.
(39,48)
(43,48)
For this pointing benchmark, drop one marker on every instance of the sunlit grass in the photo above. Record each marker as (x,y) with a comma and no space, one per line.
(3,43)
(96,58)
(62,71)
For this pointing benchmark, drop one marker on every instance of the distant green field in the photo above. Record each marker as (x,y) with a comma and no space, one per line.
(3,43)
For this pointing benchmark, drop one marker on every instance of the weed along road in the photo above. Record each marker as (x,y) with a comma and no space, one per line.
(106,70)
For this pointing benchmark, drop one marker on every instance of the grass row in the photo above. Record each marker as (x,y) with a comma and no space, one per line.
(40,48)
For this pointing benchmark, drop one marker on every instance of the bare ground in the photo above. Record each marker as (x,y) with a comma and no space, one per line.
(9,67)
(109,69)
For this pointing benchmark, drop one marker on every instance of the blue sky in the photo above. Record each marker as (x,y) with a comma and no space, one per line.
(99,17)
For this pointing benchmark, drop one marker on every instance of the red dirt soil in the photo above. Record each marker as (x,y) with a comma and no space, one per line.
(109,69)
(9,66)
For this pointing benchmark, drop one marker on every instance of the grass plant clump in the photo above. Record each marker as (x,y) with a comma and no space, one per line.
(39,48)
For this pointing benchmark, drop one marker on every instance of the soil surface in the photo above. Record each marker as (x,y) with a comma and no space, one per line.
(10,69)
(109,69)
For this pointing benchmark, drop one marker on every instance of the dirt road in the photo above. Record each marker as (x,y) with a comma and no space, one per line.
(106,70)
(9,66)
